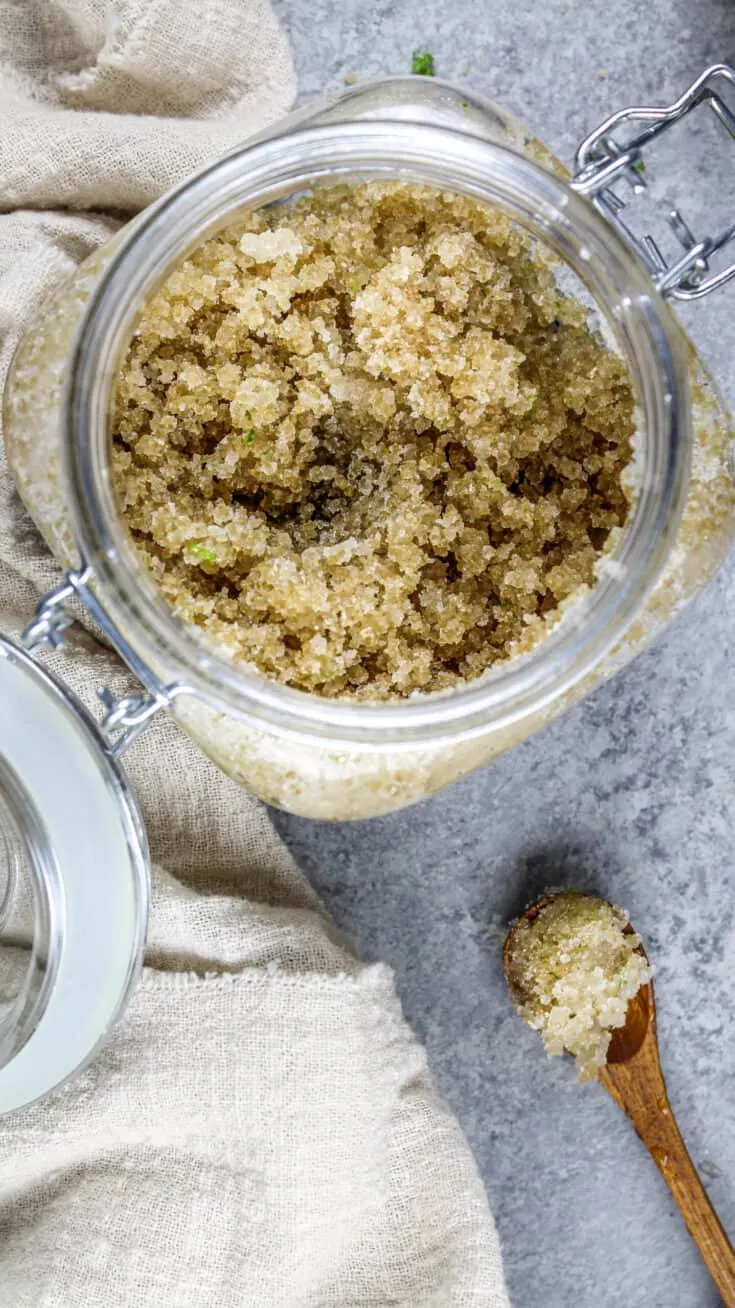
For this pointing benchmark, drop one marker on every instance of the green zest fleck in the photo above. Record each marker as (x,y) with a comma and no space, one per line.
(639,167)
(203,553)
(250,437)
(422,63)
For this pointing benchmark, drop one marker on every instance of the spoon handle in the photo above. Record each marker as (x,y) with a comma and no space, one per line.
(638,1087)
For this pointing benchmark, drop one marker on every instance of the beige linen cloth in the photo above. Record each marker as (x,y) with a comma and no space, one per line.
(261,1129)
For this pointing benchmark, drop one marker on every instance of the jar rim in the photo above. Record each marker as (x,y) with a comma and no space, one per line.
(30,872)
(278,166)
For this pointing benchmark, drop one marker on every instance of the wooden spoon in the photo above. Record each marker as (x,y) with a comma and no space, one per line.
(633,1076)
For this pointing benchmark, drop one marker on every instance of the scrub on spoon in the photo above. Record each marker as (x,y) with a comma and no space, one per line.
(622,1048)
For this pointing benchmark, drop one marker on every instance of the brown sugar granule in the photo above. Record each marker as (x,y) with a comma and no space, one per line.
(363,443)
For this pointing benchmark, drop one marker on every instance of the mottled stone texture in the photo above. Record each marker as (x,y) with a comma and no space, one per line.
(632,794)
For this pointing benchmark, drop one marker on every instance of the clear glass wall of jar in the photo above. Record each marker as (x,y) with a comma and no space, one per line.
(338,759)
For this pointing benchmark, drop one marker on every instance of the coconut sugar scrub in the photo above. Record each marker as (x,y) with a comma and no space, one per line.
(573,968)
(363,443)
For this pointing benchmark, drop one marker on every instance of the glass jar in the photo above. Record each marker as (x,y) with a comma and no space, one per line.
(326,758)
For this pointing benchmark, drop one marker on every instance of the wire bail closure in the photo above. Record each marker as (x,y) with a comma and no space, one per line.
(124,718)
(601,160)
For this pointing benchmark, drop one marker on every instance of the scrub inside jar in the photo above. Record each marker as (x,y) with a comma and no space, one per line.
(365,444)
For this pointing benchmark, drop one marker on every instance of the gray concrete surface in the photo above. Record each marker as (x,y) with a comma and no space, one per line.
(632,794)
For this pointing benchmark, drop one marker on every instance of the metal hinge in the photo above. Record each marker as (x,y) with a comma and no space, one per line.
(602,159)
(51,621)
(126,717)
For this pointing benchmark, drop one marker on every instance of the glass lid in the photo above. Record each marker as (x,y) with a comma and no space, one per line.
(74,883)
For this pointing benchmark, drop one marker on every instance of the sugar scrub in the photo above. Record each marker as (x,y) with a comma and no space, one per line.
(363,443)
(573,969)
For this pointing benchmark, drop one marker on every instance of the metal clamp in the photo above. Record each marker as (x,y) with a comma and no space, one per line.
(601,160)
(126,717)
(51,622)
